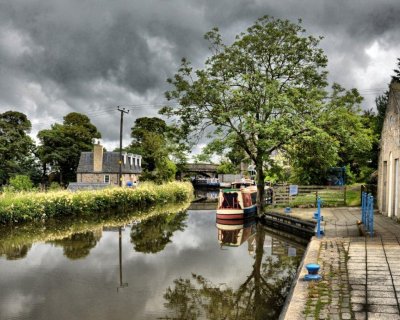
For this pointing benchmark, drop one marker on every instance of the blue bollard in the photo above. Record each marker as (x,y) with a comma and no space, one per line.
(312,269)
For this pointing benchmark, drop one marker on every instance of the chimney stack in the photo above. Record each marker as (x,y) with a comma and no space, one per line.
(97,158)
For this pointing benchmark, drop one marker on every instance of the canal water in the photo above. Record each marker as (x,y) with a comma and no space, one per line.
(175,266)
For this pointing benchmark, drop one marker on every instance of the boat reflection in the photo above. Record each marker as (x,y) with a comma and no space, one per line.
(233,233)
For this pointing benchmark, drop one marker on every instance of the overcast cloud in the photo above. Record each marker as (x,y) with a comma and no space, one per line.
(90,56)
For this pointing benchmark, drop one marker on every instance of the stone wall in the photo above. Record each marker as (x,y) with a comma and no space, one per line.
(389,163)
(99,178)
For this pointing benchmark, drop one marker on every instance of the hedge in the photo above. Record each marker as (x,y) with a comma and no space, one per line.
(36,206)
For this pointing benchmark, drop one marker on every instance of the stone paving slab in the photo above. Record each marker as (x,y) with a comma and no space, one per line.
(361,275)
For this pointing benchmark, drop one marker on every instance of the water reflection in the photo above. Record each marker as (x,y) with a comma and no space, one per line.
(76,237)
(260,295)
(169,265)
(208,194)
(78,245)
(232,233)
(122,284)
(14,251)
(152,235)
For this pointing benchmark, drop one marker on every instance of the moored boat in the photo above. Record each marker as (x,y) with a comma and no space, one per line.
(238,202)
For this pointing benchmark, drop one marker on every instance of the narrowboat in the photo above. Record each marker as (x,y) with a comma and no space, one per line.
(238,202)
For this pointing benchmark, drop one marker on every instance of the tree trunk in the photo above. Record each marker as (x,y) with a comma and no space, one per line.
(260,186)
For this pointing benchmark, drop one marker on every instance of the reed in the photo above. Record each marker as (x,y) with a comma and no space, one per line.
(34,206)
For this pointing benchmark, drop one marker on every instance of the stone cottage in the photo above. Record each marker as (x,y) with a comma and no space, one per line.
(101,166)
(388,171)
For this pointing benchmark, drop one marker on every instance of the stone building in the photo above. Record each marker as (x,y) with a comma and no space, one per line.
(388,171)
(100,166)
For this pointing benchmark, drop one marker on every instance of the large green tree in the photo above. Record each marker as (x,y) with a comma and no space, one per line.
(151,138)
(16,147)
(266,90)
(344,140)
(62,145)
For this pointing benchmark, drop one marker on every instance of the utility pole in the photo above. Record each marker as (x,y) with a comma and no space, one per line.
(120,143)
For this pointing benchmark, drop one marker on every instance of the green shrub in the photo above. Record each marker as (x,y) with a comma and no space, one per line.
(19,183)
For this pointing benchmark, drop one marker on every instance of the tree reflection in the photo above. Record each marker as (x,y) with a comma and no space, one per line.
(260,296)
(152,235)
(78,245)
(14,251)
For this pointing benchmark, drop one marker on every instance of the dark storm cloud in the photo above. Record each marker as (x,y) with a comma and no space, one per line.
(86,56)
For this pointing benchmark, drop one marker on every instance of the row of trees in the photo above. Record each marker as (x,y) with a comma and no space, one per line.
(57,156)
(60,147)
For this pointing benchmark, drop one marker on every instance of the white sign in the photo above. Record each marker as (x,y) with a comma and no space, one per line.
(293,189)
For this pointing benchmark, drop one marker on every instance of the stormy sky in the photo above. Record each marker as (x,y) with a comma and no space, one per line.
(91,56)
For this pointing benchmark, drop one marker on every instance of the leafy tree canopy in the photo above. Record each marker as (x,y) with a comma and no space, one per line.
(267,91)
(16,147)
(62,145)
(152,139)
(396,76)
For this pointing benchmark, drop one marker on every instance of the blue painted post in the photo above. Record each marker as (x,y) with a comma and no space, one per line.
(368,198)
(318,217)
(363,206)
(371,217)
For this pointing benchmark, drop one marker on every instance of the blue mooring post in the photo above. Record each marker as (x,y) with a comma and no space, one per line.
(312,269)
(363,206)
(318,217)
(371,216)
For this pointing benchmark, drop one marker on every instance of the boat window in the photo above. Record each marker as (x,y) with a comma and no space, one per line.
(230,201)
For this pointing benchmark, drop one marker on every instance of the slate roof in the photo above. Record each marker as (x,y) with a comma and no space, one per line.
(110,164)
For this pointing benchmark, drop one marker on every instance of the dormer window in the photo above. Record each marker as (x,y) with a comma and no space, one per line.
(124,155)
(130,159)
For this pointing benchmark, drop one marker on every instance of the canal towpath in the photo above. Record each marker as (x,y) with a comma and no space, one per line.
(360,274)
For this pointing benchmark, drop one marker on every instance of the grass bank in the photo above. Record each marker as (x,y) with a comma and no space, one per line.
(36,206)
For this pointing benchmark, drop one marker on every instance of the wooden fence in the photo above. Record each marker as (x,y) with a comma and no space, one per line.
(307,196)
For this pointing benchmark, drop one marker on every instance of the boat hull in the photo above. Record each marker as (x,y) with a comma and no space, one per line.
(236,214)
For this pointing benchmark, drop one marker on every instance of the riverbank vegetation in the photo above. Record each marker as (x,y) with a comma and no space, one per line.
(29,206)
(15,242)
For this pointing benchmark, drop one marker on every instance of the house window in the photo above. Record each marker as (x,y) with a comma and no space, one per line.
(106,178)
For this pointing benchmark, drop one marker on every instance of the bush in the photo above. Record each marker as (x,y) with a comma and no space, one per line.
(20,183)
(55,186)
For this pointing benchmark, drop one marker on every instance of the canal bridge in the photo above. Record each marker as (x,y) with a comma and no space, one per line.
(201,169)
